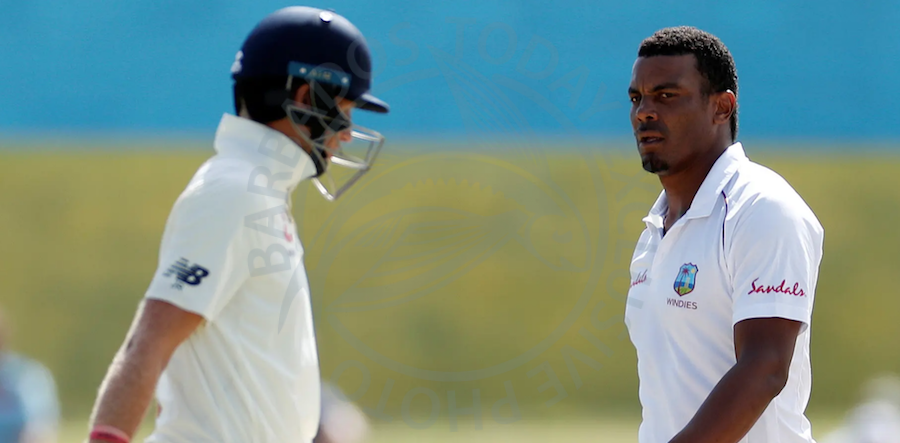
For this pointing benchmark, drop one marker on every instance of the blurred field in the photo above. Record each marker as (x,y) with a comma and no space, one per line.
(602,429)
(80,235)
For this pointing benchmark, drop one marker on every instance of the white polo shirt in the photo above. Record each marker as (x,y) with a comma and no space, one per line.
(749,247)
(230,252)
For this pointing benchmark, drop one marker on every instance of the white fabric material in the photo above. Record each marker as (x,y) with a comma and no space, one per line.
(749,247)
(243,376)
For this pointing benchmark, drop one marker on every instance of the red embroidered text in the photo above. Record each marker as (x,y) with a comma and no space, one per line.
(790,290)
(642,277)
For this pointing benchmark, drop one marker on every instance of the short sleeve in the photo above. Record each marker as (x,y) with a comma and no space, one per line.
(39,397)
(201,254)
(774,261)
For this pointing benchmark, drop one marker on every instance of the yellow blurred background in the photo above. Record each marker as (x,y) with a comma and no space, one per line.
(448,285)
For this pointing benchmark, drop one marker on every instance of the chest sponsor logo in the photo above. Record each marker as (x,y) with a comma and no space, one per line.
(641,278)
(782,288)
(686,279)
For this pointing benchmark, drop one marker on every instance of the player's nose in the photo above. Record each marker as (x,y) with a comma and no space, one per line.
(644,110)
(345,136)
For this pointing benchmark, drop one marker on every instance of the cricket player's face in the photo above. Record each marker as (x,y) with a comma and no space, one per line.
(334,140)
(671,118)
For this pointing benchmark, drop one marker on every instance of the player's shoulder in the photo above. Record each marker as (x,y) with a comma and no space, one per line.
(757,192)
(223,184)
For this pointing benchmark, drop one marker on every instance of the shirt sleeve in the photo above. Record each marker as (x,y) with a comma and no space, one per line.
(202,258)
(774,260)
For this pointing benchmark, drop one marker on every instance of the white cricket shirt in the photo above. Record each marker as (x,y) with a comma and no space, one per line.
(230,253)
(748,247)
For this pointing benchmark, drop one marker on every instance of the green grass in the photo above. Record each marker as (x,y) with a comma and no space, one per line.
(603,429)
(80,235)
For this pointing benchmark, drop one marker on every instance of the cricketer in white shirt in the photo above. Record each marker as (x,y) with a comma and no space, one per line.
(231,254)
(224,335)
(748,247)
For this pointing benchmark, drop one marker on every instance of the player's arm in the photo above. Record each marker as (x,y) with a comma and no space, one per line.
(201,265)
(764,348)
(126,392)
(776,244)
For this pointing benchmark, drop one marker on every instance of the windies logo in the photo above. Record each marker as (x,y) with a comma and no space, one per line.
(687,276)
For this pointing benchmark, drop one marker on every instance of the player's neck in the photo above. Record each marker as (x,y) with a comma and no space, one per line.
(285,127)
(682,187)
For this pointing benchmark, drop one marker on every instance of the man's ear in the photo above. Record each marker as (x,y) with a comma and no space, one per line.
(726,103)
(302,95)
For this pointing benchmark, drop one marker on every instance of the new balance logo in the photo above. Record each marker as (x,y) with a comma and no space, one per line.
(187,273)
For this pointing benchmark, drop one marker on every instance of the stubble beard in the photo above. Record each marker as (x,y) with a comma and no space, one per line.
(654,164)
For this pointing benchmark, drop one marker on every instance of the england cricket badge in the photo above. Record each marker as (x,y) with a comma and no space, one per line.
(687,277)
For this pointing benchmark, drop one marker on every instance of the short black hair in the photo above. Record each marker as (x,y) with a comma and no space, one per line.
(714,60)
(263,97)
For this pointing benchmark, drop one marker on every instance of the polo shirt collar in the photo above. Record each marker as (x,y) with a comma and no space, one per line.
(705,199)
(265,147)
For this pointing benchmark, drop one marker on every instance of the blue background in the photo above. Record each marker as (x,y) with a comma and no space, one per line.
(821,70)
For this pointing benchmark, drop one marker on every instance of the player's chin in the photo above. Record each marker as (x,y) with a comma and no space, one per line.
(653,164)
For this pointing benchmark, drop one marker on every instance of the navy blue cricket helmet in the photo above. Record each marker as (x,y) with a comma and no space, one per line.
(312,44)
(298,46)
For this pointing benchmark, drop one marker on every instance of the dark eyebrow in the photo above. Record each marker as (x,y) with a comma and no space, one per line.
(657,88)
(671,85)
